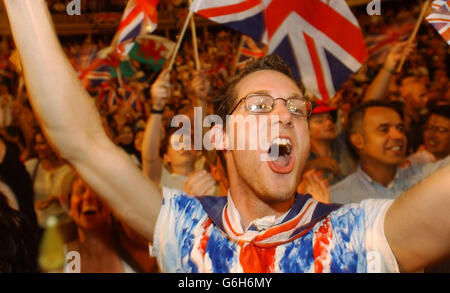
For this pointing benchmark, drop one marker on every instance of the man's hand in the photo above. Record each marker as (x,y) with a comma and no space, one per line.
(160,90)
(200,183)
(199,86)
(379,87)
(315,184)
(323,163)
(397,52)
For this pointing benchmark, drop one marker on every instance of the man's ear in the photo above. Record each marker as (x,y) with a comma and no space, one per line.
(217,137)
(357,140)
(214,172)
(166,159)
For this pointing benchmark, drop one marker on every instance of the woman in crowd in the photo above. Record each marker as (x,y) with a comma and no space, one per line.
(96,242)
(19,239)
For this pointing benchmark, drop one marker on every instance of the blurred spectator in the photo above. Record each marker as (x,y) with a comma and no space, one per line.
(414,92)
(6,104)
(126,141)
(329,151)
(171,162)
(436,136)
(19,240)
(24,119)
(14,175)
(50,177)
(95,243)
(377,133)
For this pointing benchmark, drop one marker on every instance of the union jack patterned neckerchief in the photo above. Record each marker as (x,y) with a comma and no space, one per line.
(257,248)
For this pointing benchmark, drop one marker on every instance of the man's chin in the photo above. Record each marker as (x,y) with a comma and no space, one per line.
(279,197)
(280,191)
(282,182)
(395,162)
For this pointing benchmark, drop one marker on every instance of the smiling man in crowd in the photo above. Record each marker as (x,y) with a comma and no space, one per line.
(377,134)
(436,136)
(262,225)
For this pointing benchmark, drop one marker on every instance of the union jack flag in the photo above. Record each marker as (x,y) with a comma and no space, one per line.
(108,94)
(249,49)
(139,17)
(134,102)
(131,98)
(85,56)
(107,17)
(379,45)
(440,18)
(320,40)
(95,74)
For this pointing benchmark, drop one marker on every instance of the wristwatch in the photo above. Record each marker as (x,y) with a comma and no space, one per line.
(154,111)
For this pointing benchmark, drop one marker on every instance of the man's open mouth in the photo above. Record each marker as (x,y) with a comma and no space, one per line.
(396,148)
(90,210)
(281,155)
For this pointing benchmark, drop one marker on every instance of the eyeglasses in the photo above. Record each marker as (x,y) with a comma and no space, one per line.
(438,129)
(260,103)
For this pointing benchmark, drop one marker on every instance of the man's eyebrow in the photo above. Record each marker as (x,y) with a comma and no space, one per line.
(296,95)
(390,125)
(266,92)
(259,92)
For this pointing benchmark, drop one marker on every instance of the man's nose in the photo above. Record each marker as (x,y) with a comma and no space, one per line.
(284,115)
(328,121)
(89,195)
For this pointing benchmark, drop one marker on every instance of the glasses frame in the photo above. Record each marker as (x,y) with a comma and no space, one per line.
(437,129)
(244,99)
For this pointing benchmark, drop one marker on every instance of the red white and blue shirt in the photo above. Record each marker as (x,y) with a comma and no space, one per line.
(204,234)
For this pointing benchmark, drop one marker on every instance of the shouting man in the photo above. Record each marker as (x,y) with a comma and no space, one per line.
(262,225)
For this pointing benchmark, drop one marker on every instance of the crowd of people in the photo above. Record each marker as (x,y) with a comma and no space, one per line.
(383,132)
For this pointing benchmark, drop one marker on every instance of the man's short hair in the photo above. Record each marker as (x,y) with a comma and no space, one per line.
(356,116)
(407,78)
(441,110)
(227,98)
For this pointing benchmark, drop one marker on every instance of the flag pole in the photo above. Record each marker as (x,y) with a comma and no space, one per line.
(194,42)
(180,38)
(414,33)
(119,77)
(238,55)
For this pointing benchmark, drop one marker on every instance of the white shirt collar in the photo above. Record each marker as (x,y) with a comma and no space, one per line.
(260,223)
(368,178)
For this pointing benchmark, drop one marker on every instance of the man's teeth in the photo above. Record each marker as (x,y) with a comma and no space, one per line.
(283,144)
(395,148)
(281,141)
(89,210)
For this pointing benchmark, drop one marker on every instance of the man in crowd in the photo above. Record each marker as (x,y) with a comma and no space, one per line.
(329,151)
(377,133)
(412,90)
(262,225)
(162,163)
(436,136)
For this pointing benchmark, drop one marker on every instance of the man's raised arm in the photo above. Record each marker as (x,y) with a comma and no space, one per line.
(417,225)
(70,120)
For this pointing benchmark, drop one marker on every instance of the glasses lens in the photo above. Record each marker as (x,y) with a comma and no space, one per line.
(259,103)
(299,107)
(432,128)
